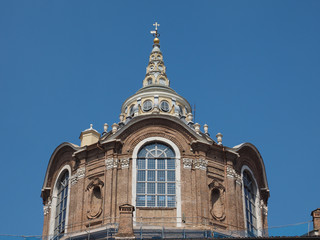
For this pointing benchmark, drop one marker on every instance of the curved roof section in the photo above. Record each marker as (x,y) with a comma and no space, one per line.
(53,155)
(241,146)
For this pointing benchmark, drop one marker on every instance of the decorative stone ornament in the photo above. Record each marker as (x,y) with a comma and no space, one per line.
(46,208)
(124,163)
(231,173)
(114,128)
(111,163)
(105,127)
(219,138)
(205,128)
(197,127)
(187,163)
(78,175)
(200,164)
(189,117)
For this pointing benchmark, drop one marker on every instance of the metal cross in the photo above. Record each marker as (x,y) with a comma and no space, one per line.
(155,33)
(156,25)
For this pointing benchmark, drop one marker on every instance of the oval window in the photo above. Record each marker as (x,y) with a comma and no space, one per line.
(164,105)
(147,106)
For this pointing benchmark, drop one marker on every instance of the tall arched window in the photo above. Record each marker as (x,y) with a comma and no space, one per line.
(156,176)
(250,190)
(61,204)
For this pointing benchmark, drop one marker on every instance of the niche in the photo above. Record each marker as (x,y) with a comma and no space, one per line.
(217,201)
(95,198)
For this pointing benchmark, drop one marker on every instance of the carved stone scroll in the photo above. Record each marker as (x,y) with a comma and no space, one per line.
(217,200)
(95,198)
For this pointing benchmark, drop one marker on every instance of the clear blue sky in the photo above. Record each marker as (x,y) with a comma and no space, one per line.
(251,67)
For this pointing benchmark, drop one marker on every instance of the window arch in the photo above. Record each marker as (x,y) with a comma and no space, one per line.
(251,202)
(156,178)
(60,203)
(176,151)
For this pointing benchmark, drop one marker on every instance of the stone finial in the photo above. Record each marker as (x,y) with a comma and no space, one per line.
(189,117)
(197,127)
(205,128)
(121,117)
(114,128)
(91,125)
(219,138)
(105,127)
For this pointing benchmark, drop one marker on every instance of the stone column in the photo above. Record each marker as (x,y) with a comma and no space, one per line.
(125,230)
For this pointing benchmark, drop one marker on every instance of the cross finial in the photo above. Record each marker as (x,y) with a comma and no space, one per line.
(156,25)
(155,33)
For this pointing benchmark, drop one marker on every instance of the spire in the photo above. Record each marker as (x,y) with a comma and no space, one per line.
(156,70)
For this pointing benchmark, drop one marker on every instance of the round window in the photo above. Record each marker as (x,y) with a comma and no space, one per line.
(164,105)
(147,106)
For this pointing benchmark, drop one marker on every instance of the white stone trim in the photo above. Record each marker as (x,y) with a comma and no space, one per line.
(46,208)
(187,163)
(124,163)
(257,202)
(231,173)
(111,163)
(78,175)
(178,179)
(54,203)
(200,164)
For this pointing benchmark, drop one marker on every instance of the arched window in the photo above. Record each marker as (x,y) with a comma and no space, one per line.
(156,176)
(62,186)
(250,190)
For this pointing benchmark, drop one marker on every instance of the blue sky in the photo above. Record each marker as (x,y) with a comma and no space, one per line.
(251,67)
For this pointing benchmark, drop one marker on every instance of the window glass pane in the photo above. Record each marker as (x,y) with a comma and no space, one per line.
(161,176)
(141,163)
(151,176)
(171,201)
(170,164)
(141,175)
(161,188)
(141,200)
(141,187)
(161,201)
(161,164)
(171,176)
(151,201)
(151,163)
(151,188)
(171,188)
(170,153)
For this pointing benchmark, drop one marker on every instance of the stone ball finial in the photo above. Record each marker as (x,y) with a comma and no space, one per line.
(105,127)
(219,138)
